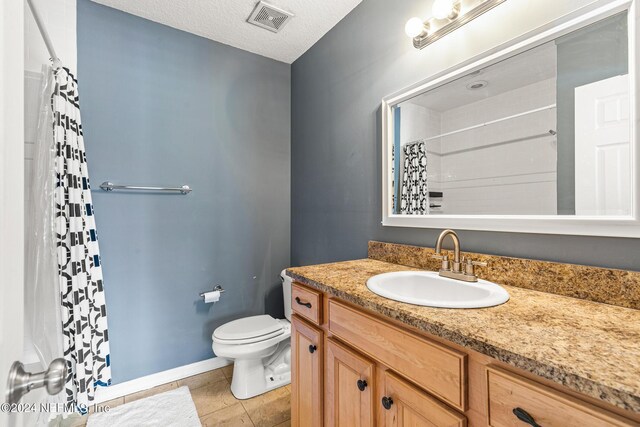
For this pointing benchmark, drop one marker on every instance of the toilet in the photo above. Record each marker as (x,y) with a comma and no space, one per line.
(260,347)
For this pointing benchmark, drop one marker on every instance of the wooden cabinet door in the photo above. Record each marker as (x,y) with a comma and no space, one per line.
(405,405)
(306,374)
(348,387)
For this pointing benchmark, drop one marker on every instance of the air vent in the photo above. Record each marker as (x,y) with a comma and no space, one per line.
(269,17)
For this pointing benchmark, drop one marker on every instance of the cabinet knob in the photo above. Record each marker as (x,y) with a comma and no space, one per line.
(312,348)
(387,402)
(524,416)
(362,384)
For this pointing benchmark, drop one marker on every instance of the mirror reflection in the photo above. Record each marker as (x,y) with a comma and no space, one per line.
(545,132)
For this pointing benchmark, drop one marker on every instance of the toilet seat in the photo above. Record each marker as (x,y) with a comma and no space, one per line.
(248,330)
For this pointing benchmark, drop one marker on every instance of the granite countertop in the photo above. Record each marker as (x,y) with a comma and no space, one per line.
(591,348)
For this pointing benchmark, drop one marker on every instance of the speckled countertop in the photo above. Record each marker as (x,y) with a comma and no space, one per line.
(589,347)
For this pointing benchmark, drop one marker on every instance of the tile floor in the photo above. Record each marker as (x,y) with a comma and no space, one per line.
(216,405)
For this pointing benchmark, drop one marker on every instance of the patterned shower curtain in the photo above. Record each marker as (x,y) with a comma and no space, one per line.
(414,196)
(84,315)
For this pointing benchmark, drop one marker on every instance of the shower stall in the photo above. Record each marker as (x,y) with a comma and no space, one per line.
(64,324)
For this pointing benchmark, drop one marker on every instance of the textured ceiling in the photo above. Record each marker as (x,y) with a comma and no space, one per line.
(225,21)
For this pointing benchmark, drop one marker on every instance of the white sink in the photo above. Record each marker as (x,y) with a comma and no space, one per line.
(429,289)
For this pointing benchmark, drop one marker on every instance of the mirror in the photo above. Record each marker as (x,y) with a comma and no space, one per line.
(547,131)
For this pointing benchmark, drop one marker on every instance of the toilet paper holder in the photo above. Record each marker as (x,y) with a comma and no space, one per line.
(216,288)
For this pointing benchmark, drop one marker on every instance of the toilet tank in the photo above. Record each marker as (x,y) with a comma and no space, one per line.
(286,293)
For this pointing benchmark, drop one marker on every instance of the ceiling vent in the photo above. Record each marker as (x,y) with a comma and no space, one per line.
(477,85)
(269,17)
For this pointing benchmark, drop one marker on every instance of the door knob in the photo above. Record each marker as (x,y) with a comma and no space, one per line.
(22,382)
(312,348)
(362,384)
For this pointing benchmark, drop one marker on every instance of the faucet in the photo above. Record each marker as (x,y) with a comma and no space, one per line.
(454,270)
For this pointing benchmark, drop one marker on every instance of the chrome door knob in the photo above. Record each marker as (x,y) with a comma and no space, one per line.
(22,382)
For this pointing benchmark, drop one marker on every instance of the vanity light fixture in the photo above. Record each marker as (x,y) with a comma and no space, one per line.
(448,15)
(415,27)
(445,9)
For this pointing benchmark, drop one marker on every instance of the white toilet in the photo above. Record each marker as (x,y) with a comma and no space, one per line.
(260,347)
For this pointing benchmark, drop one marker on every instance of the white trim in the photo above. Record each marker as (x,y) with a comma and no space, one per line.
(104,394)
(11,193)
(624,226)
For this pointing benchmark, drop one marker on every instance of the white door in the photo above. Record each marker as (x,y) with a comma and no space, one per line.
(11,192)
(603,150)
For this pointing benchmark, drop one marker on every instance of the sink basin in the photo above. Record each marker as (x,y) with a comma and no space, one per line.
(429,289)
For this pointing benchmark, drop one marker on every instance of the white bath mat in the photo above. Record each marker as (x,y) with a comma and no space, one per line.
(172,408)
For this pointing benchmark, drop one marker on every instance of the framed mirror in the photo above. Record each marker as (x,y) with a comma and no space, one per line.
(538,137)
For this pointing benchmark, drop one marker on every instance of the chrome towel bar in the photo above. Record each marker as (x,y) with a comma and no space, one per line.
(109,186)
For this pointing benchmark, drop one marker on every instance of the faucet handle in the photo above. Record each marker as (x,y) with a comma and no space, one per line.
(467,260)
(444,257)
(469,266)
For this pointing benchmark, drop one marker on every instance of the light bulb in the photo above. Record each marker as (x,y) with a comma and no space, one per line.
(414,27)
(441,9)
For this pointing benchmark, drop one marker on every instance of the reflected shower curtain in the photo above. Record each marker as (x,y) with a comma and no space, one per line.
(84,314)
(414,194)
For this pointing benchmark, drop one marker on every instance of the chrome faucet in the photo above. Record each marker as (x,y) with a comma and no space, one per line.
(454,270)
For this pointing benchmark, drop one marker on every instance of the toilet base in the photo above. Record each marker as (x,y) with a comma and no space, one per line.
(252,377)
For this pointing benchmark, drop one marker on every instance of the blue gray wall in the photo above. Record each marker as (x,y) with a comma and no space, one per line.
(163,107)
(337,86)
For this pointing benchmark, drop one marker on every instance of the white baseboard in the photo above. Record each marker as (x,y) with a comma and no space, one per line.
(104,394)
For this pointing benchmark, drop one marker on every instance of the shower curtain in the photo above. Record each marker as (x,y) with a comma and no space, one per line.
(414,195)
(42,312)
(84,314)
(67,240)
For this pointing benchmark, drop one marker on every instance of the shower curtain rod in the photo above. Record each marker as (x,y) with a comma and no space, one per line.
(535,110)
(45,35)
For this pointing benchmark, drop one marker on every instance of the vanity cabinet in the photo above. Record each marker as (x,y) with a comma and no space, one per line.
(306,374)
(351,367)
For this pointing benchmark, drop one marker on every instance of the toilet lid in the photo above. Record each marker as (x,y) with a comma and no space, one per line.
(249,327)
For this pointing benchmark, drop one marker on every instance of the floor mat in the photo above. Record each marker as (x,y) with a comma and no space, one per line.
(172,408)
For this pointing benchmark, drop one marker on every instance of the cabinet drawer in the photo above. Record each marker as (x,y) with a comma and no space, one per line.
(307,303)
(438,369)
(548,407)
